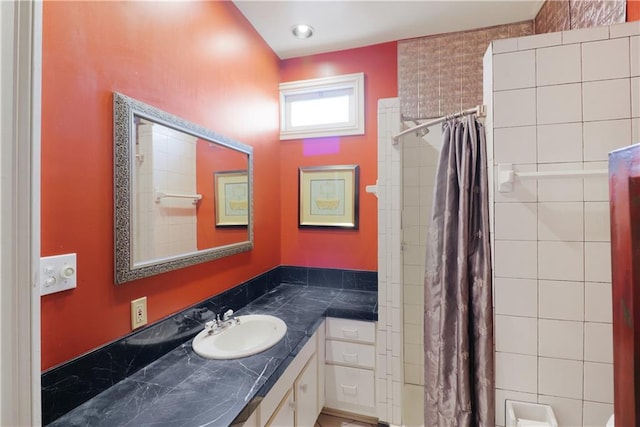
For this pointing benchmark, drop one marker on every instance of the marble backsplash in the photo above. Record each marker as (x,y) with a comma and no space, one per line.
(67,386)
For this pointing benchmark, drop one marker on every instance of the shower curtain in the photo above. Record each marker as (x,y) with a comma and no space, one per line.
(458,321)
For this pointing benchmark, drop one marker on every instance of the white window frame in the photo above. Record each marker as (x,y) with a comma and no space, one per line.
(353,83)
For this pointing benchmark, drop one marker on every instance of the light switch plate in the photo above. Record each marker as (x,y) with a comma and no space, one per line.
(57,273)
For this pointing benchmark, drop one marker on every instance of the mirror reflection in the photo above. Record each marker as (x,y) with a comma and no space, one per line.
(183,193)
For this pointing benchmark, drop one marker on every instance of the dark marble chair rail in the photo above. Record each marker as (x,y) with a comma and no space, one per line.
(70,385)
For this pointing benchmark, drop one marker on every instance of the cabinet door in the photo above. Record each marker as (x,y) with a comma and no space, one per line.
(306,394)
(284,415)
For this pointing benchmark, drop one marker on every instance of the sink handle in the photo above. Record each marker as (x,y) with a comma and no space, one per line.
(227,315)
(210,326)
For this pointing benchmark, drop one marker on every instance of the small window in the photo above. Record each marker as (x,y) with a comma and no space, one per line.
(332,106)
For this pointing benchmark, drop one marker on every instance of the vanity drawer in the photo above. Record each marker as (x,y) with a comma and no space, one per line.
(352,330)
(350,353)
(350,386)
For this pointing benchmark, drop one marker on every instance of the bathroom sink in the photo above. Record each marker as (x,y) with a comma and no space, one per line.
(253,334)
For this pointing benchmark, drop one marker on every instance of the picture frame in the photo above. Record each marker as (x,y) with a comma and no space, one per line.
(231,198)
(328,196)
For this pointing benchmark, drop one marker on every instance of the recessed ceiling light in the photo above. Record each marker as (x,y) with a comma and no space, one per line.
(302,31)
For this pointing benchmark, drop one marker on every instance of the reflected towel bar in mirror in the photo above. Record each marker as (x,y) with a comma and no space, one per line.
(161,195)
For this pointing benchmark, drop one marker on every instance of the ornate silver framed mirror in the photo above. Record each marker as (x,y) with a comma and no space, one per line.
(168,196)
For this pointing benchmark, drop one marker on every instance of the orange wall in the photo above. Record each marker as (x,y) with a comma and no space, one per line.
(326,247)
(633,10)
(211,159)
(198,60)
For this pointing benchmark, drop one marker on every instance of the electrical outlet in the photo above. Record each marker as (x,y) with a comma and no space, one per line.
(138,312)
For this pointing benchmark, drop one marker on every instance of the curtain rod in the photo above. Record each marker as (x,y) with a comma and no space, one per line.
(480,110)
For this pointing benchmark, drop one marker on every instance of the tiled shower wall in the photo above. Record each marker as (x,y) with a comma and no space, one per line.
(166,161)
(558,101)
(562,15)
(442,74)
(389,372)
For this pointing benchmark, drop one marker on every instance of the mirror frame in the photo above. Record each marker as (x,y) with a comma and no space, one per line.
(125,109)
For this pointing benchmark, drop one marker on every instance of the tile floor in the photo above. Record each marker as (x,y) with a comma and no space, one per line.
(325,420)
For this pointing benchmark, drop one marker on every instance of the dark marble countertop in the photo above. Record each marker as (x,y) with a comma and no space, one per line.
(184,389)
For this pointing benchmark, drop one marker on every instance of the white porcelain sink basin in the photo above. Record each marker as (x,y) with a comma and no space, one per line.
(255,333)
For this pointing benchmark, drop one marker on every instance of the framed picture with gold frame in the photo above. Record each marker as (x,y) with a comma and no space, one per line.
(328,196)
(231,196)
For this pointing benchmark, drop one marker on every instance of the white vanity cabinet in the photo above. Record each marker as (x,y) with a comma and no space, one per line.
(297,398)
(350,366)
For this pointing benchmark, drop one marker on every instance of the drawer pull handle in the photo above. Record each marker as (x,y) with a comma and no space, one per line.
(292,405)
(350,357)
(351,333)
(303,388)
(349,389)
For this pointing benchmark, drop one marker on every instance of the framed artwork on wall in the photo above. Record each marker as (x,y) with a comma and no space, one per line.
(232,201)
(328,196)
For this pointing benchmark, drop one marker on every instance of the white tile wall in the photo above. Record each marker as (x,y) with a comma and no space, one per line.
(606,100)
(515,70)
(597,259)
(539,40)
(561,300)
(585,35)
(586,103)
(561,260)
(516,221)
(515,145)
(504,113)
(597,302)
(560,143)
(602,137)
(598,382)
(516,297)
(505,45)
(559,104)
(558,65)
(596,222)
(560,190)
(560,377)
(635,97)
(560,221)
(561,339)
(634,48)
(389,377)
(596,189)
(596,414)
(516,372)
(625,29)
(607,59)
(515,259)
(516,334)
(598,342)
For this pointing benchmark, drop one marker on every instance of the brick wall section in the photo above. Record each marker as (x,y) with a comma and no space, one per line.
(553,16)
(562,15)
(442,74)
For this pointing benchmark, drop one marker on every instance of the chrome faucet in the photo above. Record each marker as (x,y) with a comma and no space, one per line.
(218,325)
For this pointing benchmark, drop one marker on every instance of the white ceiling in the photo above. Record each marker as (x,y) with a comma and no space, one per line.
(348,24)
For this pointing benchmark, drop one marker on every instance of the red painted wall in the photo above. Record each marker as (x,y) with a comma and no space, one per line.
(633,10)
(211,159)
(325,247)
(198,60)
